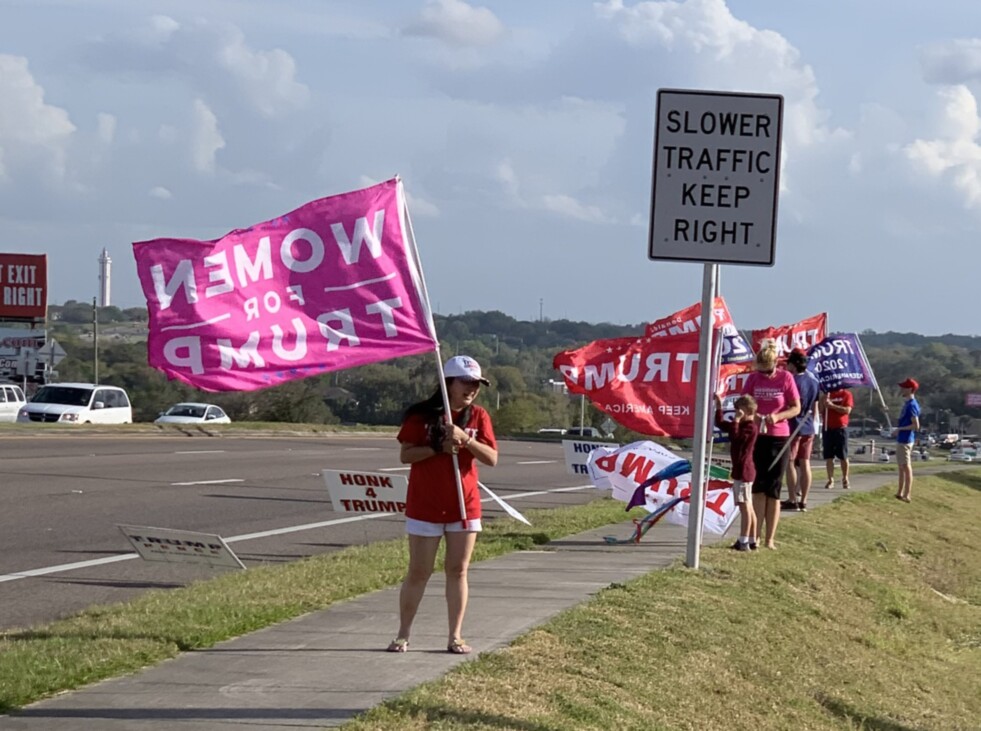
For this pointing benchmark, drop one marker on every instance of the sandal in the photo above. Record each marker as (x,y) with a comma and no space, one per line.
(844,484)
(459,647)
(399,644)
(829,485)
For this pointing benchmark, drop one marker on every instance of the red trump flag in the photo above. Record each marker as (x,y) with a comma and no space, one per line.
(804,335)
(646,384)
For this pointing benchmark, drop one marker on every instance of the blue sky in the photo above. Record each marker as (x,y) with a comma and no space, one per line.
(523,132)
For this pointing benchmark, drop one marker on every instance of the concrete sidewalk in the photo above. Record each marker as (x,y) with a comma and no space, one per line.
(324,668)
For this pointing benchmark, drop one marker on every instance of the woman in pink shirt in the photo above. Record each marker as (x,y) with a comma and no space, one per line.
(777,400)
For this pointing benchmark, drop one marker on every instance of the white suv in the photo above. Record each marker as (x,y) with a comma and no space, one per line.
(11,401)
(77,403)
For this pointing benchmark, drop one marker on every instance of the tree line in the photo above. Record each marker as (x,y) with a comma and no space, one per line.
(516,355)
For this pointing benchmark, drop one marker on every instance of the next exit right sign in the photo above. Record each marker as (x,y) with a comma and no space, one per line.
(716,177)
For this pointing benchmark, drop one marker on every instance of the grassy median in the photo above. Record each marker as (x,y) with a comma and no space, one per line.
(868,616)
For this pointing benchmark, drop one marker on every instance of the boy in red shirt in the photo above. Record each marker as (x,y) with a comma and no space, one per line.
(742,432)
(837,405)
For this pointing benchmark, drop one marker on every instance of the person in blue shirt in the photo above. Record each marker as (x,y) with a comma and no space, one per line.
(799,463)
(906,431)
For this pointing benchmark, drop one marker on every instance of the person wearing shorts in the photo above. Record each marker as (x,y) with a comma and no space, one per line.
(804,427)
(743,432)
(906,430)
(433,445)
(837,405)
(777,400)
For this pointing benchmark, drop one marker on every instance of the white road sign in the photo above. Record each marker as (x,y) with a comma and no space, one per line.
(51,352)
(716,177)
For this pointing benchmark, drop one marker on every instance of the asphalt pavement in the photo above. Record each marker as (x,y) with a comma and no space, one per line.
(323,669)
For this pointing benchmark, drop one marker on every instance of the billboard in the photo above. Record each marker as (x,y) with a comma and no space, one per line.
(23,287)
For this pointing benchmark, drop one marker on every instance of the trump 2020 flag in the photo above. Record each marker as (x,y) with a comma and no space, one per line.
(332,285)
(839,361)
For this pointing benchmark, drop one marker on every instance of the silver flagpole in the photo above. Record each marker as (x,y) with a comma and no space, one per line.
(875,382)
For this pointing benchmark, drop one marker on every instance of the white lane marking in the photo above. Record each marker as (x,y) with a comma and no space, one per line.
(362,449)
(204,482)
(394,469)
(246,537)
(307,526)
(539,461)
(203,451)
(67,567)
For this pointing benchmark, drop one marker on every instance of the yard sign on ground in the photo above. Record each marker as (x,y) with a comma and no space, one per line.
(716,177)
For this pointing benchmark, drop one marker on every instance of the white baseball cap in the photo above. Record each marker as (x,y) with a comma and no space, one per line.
(463,366)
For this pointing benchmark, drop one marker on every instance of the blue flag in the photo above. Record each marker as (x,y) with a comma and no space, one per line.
(839,361)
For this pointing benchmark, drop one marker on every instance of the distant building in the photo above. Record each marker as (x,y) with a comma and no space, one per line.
(105,276)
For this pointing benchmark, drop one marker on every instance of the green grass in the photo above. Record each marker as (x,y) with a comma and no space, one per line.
(107,641)
(867,617)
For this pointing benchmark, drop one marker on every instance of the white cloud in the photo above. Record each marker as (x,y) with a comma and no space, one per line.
(953,62)
(419,206)
(160,29)
(566,205)
(720,51)
(457,23)
(212,59)
(266,77)
(34,136)
(955,152)
(106,128)
(206,138)
(504,173)
(161,192)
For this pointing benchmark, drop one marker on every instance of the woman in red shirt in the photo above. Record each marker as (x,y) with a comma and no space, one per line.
(433,508)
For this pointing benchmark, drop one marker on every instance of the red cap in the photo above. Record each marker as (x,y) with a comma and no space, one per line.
(909,383)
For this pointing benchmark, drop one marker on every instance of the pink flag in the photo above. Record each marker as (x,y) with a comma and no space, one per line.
(332,285)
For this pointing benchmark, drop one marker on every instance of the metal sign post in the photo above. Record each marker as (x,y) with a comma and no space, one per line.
(713,200)
(703,388)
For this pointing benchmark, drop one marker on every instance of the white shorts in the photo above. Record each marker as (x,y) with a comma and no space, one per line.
(741,491)
(435,530)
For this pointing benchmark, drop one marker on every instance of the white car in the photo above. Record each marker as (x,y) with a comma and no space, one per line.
(11,401)
(957,456)
(77,403)
(193,413)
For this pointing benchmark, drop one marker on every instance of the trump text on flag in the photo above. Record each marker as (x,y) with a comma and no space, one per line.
(331,285)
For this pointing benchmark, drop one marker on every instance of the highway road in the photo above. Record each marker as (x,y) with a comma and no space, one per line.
(64,495)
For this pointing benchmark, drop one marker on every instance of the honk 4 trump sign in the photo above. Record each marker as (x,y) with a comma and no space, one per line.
(366,492)
(332,285)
